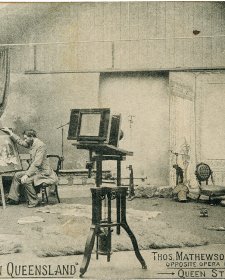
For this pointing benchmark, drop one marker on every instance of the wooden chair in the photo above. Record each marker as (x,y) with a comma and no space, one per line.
(43,187)
(203,173)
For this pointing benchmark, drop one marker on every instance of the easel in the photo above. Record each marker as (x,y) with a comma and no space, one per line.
(99,193)
(2,192)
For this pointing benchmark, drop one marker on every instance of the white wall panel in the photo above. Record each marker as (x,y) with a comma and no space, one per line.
(165,29)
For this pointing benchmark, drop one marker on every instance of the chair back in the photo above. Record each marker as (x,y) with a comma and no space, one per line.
(55,162)
(203,172)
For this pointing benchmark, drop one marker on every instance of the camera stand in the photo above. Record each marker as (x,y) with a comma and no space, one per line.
(101,228)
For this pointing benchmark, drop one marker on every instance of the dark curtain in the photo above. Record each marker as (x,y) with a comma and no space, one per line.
(4,77)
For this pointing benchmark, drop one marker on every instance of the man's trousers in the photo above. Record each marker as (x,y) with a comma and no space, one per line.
(28,186)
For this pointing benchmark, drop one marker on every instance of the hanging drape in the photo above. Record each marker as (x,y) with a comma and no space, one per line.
(4,77)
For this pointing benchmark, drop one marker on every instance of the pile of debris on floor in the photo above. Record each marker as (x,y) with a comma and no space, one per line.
(150,191)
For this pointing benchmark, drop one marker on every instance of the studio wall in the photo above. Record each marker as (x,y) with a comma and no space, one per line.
(60,50)
(143,101)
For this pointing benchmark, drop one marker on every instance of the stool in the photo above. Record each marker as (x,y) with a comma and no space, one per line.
(44,193)
(42,187)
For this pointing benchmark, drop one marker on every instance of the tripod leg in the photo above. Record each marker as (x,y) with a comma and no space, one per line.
(135,245)
(88,250)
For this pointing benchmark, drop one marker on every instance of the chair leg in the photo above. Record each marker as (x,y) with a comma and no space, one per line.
(56,192)
(43,190)
(46,195)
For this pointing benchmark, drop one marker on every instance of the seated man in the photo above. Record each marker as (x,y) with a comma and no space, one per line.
(38,172)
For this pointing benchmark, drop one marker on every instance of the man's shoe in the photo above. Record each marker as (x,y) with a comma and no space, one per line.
(10,201)
(33,205)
